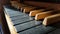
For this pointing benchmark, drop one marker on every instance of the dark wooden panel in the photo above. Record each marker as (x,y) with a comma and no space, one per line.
(51,1)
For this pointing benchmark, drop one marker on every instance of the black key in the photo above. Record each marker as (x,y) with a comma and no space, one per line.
(18,17)
(27,25)
(38,30)
(22,20)
(57,31)
(13,12)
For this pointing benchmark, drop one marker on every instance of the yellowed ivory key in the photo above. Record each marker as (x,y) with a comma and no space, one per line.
(51,19)
(27,9)
(34,12)
(43,15)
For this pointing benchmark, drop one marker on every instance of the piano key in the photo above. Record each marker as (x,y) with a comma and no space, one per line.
(11,10)
(38,30)
(18,16)
(43,15)
(18,5)
(57,31)
(22,20)
(34,12)
(51,19)
(22,6)
(13,13)
(14,3)
(27,25)
(10,7)
(28,9)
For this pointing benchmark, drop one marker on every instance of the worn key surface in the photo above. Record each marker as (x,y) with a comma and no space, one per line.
(38,30)
(26,25)
(22,20)
(57,31)
(13,12)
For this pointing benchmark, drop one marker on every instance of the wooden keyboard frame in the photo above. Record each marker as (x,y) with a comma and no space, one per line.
(10,25)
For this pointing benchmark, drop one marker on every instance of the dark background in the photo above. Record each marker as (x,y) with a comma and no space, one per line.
(52,1)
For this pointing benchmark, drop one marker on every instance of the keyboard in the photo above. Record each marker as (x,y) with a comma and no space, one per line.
(24,24)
